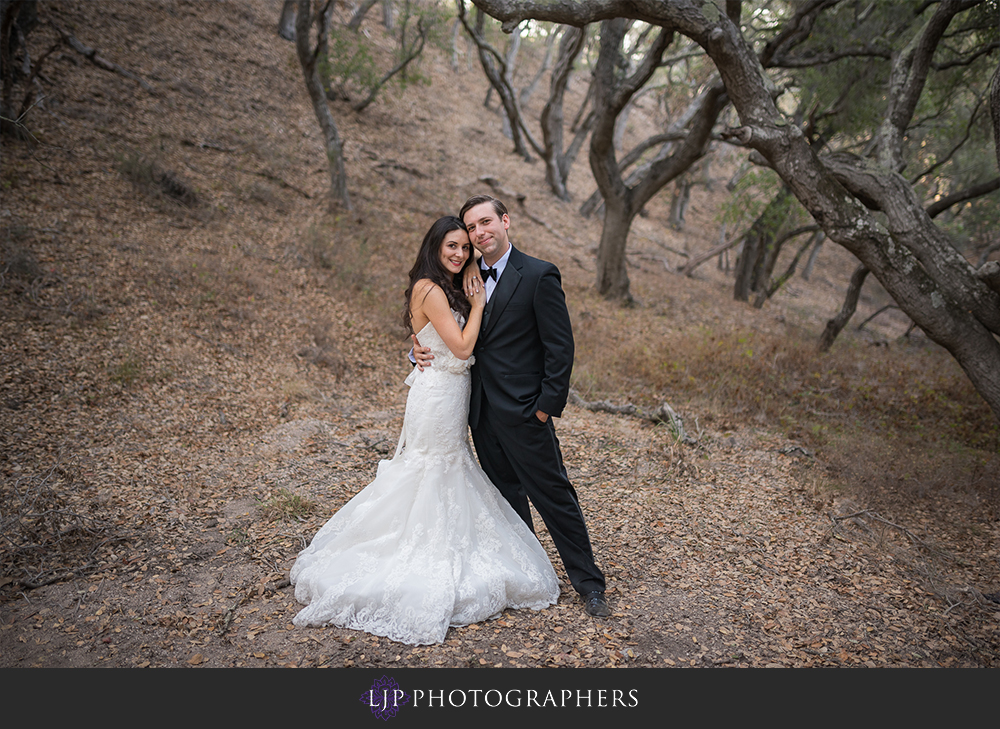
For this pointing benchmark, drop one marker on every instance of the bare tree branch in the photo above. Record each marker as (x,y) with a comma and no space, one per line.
(408,57)
(958,144)
(906,83)
(821,59)
(966,60)
(969,193)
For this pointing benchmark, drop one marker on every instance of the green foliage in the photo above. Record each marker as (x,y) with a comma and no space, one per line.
(952,128)
(436,19)
(358,65)
(973,225)
(753,196)
(350,60)
(237,536)
(753,191)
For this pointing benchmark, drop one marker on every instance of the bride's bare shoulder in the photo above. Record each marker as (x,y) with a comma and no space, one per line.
(425,288)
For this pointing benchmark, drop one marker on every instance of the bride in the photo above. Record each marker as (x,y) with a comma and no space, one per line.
(430,543)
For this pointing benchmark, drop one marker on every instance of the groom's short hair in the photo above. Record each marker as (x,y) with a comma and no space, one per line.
(498,207)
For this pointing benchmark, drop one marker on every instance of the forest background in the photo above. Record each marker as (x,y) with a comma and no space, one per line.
(201,356)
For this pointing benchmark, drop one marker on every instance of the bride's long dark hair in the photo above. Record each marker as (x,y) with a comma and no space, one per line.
(429,266)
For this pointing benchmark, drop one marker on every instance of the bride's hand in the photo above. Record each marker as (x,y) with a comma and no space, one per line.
(472,281)
(478,297)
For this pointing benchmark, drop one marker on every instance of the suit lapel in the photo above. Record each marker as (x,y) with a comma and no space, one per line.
(501,294)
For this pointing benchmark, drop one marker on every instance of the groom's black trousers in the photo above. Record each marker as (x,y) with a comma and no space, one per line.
(524,462)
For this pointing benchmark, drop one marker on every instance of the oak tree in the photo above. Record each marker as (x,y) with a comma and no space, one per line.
(860,198)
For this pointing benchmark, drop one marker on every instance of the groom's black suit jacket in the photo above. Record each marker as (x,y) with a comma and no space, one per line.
(524,354)
(524,357)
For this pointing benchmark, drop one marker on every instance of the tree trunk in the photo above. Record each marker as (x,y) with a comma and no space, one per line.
(723,262)
(529,90)
(558,162)
(762,276)
(286,24)
(818,238)
(510,61)
(679,202)
(995,111)
(387,15)
(620,123)
(747,261)
(612,274)
(17,19)
(360,13)
(308,60)
(756,261)
(623,200)
(837,323)
(456,30)
(761,249)
(774,284)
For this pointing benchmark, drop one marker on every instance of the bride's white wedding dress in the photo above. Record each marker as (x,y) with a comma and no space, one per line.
(430,543)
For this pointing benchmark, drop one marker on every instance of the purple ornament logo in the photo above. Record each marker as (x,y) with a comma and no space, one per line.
(385,697)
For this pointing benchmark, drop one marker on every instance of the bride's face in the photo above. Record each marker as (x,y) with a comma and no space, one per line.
(455,250)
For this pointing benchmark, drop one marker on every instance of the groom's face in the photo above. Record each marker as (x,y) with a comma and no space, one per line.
(487,231)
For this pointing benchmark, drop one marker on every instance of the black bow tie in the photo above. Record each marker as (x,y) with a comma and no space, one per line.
(489,273)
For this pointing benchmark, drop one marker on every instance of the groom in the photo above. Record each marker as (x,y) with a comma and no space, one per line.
(520,381)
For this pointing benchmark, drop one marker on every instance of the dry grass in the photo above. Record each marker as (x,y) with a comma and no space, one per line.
(153,179)
(48,532)
(17,260)
(902,418)
(285,506)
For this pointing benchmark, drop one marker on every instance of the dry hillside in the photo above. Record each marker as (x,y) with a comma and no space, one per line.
(200,362)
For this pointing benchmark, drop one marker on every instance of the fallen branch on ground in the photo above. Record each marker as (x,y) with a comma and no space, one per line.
(392,164)
(206,145)
(875,517)
(91,55)
(275,178)
(664,414)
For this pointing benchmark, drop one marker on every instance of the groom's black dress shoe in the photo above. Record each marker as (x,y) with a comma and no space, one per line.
(596,605)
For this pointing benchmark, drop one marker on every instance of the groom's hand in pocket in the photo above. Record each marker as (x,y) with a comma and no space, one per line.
(421,355)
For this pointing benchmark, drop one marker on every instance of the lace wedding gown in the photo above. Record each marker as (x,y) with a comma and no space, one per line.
(430,543)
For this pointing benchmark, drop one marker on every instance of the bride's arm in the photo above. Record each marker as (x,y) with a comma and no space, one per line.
(432,304)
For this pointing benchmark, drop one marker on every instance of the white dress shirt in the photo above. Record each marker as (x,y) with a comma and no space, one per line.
(500,265)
